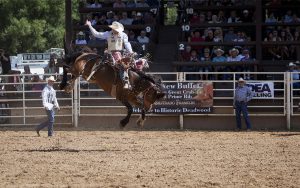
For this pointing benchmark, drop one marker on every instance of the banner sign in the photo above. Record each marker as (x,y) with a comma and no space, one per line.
(262,90)
(36,56)
(183,98)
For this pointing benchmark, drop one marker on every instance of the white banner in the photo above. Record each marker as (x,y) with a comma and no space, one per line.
(262,90)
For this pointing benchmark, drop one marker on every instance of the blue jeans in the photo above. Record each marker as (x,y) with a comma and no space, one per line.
(242,107)
(49,122)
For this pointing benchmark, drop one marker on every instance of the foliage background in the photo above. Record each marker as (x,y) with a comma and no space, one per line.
(32,25)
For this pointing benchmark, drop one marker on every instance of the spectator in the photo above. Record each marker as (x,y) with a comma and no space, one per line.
(246,18)
(195,19)
(5,62)
(96,4)
(233,55)
(130,4)
(186,54)
(152,3)
(27,77)
(51,68)
(95,42)
(210,36)
(95,20)
(288,18)
(230,35)
(142,3)
(119,4)
(219,58)
(233,17)
(125,20)
(218,36)
(206,57)
(102,20)
(296,36)
(246,58)
(80,38)
(214,20)
(295,75)
(271,18)
(221,17)
(37,83)
(295,18)
(131,37)
(143,39)
(240,37)
(149,18)
(193,58)
(196,37)
(110,17)
(202,19)
(274,51)
(139,19)
(243,95)
(208,16)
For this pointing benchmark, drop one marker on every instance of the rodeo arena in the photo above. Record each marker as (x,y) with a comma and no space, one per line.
(157,93)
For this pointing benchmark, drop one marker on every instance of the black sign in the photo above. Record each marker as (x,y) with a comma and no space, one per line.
(185,97)
(36,57)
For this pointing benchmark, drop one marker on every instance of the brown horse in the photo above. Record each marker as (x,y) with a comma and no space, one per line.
(144,90)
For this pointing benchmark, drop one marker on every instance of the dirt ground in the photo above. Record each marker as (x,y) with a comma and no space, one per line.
(149,159)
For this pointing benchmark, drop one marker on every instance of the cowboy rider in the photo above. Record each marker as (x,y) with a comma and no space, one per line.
(116,40)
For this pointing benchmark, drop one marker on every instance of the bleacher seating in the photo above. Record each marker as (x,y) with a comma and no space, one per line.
(250,23)
(102,16)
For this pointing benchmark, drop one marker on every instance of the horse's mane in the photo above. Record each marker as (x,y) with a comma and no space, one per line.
(151,78)
(78,51)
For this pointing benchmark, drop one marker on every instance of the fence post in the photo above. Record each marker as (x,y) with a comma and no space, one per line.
(180,78)
(75,114)
(288,99)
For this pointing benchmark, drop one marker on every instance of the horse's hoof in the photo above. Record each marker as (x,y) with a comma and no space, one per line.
(140,122)
(122,124)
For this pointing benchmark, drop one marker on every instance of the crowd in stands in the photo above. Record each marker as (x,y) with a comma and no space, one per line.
(236,24)
(141,19)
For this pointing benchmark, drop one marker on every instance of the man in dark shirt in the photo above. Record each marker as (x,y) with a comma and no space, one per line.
(5,62)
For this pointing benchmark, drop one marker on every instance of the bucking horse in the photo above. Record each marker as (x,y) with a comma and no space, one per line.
(144,89)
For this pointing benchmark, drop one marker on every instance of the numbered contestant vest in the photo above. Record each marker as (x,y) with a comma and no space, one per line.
(115,42)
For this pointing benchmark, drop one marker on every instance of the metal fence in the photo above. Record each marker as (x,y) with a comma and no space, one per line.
(23,106)
(21,103)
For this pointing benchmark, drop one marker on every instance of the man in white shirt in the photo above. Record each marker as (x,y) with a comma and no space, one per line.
(143,39)
(49,103)
(125,20)
(116,40)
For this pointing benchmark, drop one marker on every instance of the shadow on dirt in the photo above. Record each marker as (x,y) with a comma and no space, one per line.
(65,150)
(286,134)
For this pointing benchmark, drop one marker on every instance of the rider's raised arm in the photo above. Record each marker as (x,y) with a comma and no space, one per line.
(127,43)
(101,35)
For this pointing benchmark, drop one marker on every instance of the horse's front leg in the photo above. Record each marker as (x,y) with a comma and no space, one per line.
(70,85)
(140,122)
(125,121)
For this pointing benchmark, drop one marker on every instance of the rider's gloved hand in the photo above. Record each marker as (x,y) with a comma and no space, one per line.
(88,23)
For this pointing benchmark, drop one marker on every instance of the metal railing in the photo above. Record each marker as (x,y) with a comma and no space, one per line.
(21,102)
(21,106)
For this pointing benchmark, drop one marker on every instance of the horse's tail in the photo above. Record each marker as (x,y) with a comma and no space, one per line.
(63,83)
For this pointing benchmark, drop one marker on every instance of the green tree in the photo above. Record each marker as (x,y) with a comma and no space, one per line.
(31,25)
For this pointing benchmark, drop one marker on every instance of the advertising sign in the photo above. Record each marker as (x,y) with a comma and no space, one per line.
(185,97)
(262,90)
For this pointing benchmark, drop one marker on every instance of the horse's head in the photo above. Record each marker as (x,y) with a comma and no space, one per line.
(153,93)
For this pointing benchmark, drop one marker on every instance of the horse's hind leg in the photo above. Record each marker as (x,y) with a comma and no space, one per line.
(124,121)
(140,122)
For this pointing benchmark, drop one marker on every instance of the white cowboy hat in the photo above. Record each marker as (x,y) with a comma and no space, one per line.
(51,78)
(241,80)
(80,33)
(234,49)
(117,26)
(219,50)
(291,64)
